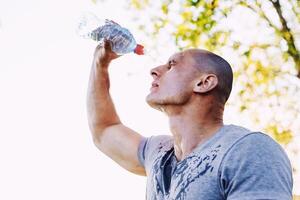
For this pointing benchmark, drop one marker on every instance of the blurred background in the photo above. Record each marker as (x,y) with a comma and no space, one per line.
(46,150)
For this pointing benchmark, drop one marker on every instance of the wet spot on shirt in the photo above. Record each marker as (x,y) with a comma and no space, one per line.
(184,173)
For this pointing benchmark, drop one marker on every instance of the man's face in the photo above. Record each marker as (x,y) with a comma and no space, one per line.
(173,82)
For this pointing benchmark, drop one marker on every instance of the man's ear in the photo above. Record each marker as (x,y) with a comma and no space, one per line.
(205,83)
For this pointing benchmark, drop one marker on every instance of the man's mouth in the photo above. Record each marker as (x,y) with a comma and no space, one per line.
(154,86)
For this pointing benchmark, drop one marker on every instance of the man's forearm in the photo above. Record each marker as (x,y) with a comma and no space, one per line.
(101,110)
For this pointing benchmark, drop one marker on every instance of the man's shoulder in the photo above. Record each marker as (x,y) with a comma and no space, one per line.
(228,135)
(252,145)
(238,134)
(255,159)
(234,131)
(240,139)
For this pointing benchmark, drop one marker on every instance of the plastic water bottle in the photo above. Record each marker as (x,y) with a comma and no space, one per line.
(122,40)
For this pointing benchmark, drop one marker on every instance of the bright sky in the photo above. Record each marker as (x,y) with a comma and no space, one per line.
(46,150)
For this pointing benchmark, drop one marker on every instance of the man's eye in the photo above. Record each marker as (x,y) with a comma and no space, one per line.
(170,65)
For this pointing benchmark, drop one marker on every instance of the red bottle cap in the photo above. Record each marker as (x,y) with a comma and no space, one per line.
(139,49)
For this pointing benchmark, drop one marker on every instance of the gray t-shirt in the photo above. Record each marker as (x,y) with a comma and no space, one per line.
(234,164)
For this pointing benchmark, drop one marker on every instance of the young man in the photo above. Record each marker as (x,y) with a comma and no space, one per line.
(203,159)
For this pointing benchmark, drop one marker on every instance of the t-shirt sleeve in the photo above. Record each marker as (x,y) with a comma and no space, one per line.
(256,167)
(150,148)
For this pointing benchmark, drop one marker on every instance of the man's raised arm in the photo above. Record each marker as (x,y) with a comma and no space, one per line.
(109,134)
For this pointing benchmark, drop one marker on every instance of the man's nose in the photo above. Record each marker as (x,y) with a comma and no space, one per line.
(155,72)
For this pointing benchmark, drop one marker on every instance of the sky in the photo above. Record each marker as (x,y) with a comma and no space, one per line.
(45,147)
(46,150)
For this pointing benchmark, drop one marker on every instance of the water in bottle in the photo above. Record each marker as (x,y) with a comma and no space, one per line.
(122,40)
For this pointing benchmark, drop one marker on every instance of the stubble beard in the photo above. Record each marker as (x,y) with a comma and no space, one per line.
(159,103)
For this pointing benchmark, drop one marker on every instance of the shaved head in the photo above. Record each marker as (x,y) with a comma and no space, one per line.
(208,62)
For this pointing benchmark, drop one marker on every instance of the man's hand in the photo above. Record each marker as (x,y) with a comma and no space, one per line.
(104,54)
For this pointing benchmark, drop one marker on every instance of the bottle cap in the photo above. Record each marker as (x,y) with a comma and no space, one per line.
(139,49)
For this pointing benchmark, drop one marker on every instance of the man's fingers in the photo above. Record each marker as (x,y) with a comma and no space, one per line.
(104,51)
(107,45)
(99,46)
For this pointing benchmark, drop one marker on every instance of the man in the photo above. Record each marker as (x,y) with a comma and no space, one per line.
(204,159)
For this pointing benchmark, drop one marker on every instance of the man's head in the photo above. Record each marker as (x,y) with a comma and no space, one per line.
(190,76)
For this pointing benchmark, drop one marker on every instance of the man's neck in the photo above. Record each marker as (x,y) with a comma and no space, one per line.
(191,128)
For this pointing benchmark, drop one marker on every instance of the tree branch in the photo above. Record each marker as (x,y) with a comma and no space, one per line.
(287,36)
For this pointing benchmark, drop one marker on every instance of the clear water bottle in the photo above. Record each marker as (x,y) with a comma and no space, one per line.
(123,42)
